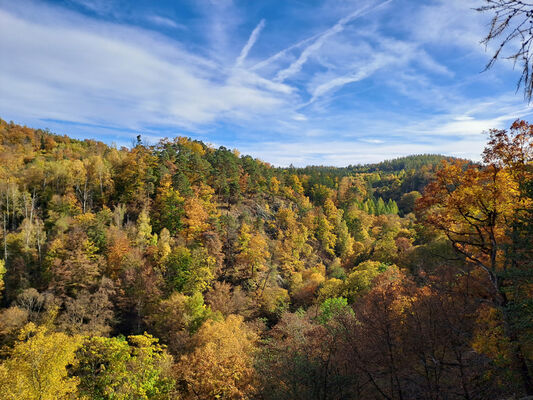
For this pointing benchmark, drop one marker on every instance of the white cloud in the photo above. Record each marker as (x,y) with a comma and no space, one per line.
(342,153)
(282,53)
(249,44)
(297,65)
(370,58)
(221,19)
(98,6)
(401,98)
(463,118)
(165,22)
(449,23)
(340,81)
(299,117)
(96,72)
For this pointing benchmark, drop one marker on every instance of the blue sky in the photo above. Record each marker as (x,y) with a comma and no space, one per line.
(332,82)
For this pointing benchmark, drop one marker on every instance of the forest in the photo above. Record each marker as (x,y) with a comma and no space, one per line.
(183,271)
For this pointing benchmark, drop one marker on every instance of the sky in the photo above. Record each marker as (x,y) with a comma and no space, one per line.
(302,82)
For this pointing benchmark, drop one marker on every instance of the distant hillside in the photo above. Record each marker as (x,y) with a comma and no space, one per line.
(415,161)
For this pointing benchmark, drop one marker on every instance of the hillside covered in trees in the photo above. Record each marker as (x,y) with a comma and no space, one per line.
(183,271)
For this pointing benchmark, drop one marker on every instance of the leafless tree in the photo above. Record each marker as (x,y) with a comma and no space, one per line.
(512,28)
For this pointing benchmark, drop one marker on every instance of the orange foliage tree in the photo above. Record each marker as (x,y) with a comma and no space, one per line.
(221,366)
(476,208)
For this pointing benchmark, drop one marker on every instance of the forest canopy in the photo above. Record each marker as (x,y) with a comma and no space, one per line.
(183,271)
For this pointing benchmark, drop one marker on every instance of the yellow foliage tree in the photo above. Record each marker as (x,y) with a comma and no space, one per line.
(221,366)
(253,249)
(195,218)
(325,235)
(37,366)
(274,185)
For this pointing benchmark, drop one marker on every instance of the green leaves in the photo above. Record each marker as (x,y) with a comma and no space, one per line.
(120,369)
(334,307)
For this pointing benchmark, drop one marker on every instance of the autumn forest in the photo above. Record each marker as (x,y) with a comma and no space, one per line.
(183,271)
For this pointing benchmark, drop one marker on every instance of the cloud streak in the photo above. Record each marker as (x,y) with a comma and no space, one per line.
(297,65)
(340,81)
(165,22)
(249,44)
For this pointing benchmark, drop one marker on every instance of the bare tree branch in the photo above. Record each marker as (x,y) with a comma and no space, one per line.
(512,27)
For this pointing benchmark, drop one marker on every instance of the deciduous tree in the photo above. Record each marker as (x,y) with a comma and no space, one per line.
(221,366)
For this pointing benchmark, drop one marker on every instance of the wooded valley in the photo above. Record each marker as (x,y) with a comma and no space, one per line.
(183,271)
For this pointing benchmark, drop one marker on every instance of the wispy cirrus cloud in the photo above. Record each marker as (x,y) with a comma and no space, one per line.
(297,65)
(358,81)
(165,22)
(98,6)
(249,44)
(95,75)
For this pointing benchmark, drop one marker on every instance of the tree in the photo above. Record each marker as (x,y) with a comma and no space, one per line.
(511,27)
(177,317)
(118,248)
(189,271)
(221,298)
(303,359)
(253,250)
(332,308)
(168,208)
(345,242)
(89,313)
(291,244)
(99,173)
(412,342)
(319,193)
(72,264)
(225,177)
(144,230)
(520,255)
(35,304)
(134,181)
(195,218)
(274,301)
(362,277)
(221,365)
(325,235)
(476,208)
(116,368)
(37,366)
(408,202)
